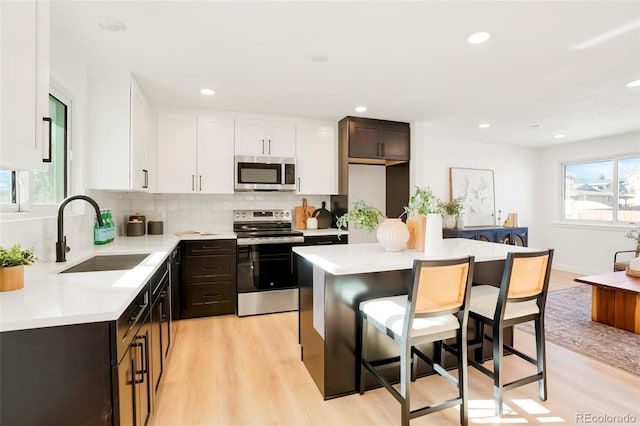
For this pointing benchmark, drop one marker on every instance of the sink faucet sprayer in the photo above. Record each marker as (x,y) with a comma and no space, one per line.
(61,244)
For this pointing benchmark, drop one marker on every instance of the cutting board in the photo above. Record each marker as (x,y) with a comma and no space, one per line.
(301,213)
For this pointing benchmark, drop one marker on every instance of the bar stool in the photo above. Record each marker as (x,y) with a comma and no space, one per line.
(435,309)
(521,298)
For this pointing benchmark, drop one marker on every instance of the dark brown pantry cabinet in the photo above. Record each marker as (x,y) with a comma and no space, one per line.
(208,278)
(376,139)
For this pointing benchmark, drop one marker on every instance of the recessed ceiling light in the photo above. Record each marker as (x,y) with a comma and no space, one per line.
(361,108)
(484,125)
(208,92)
(319,58)
(111,24)
(634,83)
(559,136)
(478,38)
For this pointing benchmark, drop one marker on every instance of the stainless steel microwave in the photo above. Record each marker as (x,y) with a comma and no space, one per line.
(265,173)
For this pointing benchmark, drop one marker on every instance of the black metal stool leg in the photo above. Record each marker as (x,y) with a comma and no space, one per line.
(497,368)
(363,352)
(541,358)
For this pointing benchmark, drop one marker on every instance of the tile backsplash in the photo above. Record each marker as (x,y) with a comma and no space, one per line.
(179,212)
(199,212)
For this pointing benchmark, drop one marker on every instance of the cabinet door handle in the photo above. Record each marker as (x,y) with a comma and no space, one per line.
(211,268)
(269,152)
(200,178)
(193,182)
(263,146)
(146,178)
(382,149)
(143,346)
(298,184)
(50,142)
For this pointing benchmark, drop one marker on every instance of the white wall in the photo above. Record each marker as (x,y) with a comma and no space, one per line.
(366,183)
(515,171)
(580,249)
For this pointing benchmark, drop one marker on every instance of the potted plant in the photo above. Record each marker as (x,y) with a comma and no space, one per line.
(424,208)
(12,262)
(362,216)
(451,210)
(635,235)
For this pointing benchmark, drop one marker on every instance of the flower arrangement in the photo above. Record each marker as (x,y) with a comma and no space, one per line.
(16,256)
(362,216)
(453,207)
(422,202)
(634,235)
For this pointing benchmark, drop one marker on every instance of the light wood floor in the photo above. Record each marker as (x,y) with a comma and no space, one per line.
(247,371)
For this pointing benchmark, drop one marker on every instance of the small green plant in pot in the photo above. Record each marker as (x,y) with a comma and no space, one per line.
(422,202)
(362,216)
(451,210)
(12,262)
(635,235)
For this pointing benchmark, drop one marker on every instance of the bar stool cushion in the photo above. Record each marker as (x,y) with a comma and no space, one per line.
(485,297)
(388,312)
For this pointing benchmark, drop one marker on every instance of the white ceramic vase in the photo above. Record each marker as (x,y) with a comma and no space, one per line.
(433,235)
(450,221)
(393,234)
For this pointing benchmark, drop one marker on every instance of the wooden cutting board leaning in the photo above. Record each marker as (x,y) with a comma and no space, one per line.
(302,213)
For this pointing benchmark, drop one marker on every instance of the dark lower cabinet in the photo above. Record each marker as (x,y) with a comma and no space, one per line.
(103,373)
(514,236)
(56,375)
(208,278)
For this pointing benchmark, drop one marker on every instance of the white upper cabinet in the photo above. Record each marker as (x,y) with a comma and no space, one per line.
(265,138)
(143,171)
(317,158)
(215,155)
(24,84)
(119,143)
(195,153)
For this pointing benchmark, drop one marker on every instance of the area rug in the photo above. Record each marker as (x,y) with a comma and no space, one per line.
(568,324)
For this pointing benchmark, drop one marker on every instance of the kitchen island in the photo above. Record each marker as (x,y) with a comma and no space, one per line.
(334,280)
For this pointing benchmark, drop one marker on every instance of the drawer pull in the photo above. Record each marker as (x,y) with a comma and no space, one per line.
(211,268)
(212,295)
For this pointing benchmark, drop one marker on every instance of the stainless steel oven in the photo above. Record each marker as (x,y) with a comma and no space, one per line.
(265,279)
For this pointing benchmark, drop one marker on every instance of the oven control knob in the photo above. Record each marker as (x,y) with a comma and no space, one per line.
(243,214)
(287,213)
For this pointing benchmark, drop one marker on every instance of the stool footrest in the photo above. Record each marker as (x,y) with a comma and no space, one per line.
(435,407)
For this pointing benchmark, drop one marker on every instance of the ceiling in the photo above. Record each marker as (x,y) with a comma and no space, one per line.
(558,66)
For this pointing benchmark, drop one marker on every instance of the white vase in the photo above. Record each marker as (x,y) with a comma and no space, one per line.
(433,235)
(393,234)
(450,221)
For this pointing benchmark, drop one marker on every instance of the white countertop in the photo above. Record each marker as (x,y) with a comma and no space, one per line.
(347,259)
(50,299)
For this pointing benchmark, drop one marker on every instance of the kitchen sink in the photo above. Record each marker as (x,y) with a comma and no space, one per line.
(114,262)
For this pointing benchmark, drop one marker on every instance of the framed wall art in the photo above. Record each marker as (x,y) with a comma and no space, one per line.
(475,188)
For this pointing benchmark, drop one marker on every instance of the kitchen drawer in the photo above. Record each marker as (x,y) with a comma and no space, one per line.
(209,247)
(209,299)
(209,269)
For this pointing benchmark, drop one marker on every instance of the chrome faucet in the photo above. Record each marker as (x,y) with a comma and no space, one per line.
(61,244)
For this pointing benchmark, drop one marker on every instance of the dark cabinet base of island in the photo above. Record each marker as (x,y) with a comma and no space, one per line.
(330,339)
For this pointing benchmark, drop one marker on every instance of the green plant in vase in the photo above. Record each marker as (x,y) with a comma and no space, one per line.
(12,263)
(422,202)
(16,256)
(451,210)
(362,216)
(635,235)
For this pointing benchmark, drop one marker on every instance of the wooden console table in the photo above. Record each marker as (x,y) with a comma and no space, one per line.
(615,300)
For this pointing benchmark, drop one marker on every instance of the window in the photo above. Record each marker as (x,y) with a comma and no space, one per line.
(605,190)
(50,186)
(23,191)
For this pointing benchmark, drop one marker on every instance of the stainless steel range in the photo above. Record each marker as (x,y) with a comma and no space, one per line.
(266,283)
